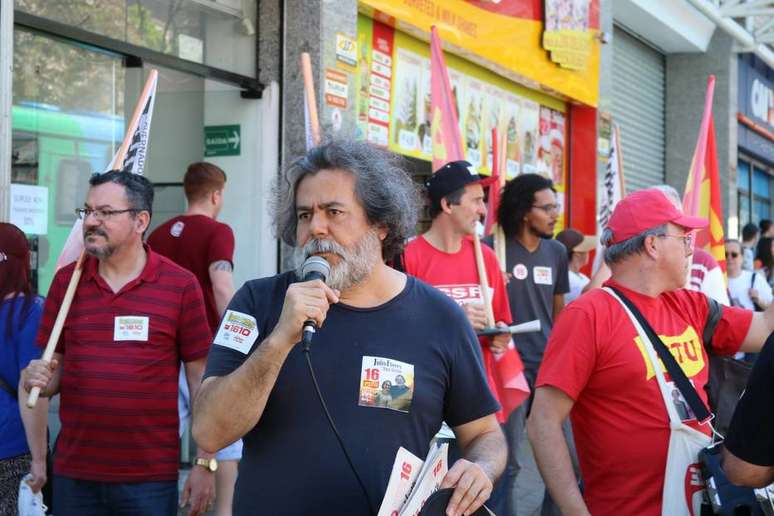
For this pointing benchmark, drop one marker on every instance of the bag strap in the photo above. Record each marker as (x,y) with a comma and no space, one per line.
(673,368)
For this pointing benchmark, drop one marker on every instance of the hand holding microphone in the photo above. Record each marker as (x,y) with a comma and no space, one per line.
(306,303)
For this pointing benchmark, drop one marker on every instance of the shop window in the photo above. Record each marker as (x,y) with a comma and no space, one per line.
(753,192)
(218,33)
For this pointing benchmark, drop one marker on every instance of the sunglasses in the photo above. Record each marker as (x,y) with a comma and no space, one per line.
(732,255)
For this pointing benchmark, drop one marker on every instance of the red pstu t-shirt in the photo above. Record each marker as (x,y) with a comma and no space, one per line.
(194,242)
(122,353)
(455,275)
(620,423)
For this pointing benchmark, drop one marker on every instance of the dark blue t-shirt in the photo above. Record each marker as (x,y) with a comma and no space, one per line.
(292,463)
(15,354)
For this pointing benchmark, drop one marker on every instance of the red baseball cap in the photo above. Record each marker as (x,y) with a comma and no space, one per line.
(644,210)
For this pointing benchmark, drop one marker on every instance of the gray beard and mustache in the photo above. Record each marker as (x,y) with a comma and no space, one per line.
(355,264)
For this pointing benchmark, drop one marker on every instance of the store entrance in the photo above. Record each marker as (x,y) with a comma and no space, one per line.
(71,104)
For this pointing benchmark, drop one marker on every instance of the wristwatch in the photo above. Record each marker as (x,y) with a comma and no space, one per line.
(209,464)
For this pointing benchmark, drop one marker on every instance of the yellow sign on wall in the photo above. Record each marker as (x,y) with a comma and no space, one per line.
(500,34)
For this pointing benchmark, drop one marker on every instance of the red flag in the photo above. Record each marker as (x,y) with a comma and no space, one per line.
(504,371)
(444,127)
(493,202)
(702,190)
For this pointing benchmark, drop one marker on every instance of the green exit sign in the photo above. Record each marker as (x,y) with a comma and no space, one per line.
(222,140)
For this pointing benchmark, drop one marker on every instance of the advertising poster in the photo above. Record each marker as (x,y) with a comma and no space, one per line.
(406,101)
(551,149)
(494,102)
(471,119)
(530,118)
(513,140)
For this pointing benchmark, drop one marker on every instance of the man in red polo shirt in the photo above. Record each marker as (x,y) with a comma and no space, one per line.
(204,246)
(597,370)
(134,318)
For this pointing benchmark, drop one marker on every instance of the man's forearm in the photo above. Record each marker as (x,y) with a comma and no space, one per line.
(553,460)
(227,407)
(489,451)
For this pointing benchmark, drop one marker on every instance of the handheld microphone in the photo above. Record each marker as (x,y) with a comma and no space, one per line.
(314,267)
(526,327)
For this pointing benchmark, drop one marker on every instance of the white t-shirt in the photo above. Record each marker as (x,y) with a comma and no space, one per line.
(578,280)
(739,287)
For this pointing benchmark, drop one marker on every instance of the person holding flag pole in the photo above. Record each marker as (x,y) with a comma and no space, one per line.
(113,351)
(450,257)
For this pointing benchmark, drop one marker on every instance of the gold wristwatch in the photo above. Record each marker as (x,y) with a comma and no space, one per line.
(209,464)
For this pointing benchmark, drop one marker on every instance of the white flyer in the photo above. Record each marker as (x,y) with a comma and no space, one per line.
(404,473)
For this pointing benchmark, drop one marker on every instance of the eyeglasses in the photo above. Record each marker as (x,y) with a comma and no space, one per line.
(687,239)
(732,255)
(83,213)
(548,208)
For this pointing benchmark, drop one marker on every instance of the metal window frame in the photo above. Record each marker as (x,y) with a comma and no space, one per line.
(134,54)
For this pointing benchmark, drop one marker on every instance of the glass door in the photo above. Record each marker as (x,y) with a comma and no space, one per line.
(67,121)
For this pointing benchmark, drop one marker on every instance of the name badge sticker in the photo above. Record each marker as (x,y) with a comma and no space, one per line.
(130,327)
(542,275)
(237,331)
(386,383)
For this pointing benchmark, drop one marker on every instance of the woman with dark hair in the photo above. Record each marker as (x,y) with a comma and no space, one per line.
(764,259)
(22,430)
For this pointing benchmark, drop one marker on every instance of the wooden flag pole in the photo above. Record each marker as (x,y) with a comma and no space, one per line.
(64,308)
(498,236)
(483,281)
(311,103)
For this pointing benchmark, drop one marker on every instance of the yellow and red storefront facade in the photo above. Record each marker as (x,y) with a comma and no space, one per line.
(530,68)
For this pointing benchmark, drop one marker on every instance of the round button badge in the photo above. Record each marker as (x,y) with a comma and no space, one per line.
(520,271)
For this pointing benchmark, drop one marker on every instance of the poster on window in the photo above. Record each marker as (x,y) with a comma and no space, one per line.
(530,122)
(406,103)
(550,161)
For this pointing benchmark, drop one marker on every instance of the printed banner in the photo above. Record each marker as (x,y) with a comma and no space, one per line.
(510,33)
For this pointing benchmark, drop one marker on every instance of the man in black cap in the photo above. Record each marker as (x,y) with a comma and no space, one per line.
(444,257)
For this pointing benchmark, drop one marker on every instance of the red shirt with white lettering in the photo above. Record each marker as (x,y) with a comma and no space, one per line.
(455,275)
(122,353)
(620,423)
(195,242)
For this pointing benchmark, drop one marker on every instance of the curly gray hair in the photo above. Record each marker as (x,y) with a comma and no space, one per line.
(387,193)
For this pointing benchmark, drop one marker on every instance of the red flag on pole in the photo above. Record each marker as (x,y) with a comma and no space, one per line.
(702,190)
(504,371)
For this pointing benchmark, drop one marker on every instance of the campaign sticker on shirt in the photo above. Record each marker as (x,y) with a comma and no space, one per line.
(386,383)
(130,327)
(464,293)
(520,271)
(237,331)
(177,229)
(542,275)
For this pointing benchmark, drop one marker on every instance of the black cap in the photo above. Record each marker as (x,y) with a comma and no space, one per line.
(453,176)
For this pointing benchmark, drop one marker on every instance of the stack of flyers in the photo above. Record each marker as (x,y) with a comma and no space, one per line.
(412,480)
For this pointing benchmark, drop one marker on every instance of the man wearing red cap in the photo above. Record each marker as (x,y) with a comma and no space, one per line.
(597,369)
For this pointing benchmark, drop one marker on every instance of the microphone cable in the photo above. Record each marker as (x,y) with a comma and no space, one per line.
(336,431)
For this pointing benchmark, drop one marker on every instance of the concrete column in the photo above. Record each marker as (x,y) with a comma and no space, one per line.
(686,82)
(311,26)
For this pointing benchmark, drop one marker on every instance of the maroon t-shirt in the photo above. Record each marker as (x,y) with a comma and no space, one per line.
(122,354)
(195,242)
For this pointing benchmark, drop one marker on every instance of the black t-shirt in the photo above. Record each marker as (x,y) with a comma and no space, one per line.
(291,462)
(751,435)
